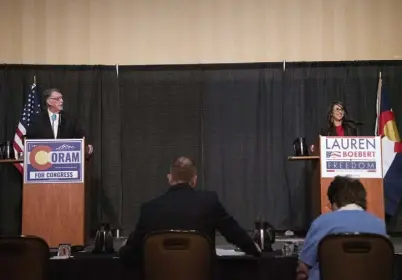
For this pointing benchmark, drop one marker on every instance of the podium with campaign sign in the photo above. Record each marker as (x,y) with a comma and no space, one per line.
(358,157)
(53,203)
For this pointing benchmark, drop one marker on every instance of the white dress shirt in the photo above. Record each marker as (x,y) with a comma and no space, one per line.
(351,207)
(54,123)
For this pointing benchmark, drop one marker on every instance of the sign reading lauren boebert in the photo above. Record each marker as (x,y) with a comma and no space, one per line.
(351,156)
(54,161)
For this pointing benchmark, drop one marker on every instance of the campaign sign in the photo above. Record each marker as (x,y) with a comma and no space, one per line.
(54,161)
(351,156)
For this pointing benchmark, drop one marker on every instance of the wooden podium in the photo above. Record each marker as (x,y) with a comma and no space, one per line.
(344,156)
(53,202)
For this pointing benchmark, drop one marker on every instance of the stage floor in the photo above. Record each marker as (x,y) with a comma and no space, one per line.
(221,243)
(281,240)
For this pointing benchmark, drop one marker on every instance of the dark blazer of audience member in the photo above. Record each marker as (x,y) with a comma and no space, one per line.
(348,203)
(338,123)
(183,207)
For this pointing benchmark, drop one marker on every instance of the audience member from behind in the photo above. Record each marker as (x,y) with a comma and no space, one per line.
(347,199)
(184,208)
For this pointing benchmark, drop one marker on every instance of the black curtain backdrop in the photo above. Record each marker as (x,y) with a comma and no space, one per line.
(237,121)
(161,119)
(91,93)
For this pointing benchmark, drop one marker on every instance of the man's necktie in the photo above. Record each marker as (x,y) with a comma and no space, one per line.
(53,125)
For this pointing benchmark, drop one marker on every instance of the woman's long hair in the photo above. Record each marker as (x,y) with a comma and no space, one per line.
(330,123)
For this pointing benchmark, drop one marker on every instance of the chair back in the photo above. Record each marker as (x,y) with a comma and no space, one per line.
(356,256)
(23,258)
(178,255)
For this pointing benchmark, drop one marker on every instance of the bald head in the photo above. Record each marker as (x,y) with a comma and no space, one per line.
(183,170)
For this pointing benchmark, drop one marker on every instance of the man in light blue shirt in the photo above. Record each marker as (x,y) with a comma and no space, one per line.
(347,198)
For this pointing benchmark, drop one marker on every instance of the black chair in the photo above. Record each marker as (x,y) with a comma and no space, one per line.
(23,258)
(178,255)
(355,256)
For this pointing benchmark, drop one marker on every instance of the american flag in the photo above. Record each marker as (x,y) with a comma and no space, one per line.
(334,154)
(31,108)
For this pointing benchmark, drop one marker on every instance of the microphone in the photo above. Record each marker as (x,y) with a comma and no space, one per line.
(353,122)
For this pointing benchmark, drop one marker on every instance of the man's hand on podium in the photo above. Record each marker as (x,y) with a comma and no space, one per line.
(90,150)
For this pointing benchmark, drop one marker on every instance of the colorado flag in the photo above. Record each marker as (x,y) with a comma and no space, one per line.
(391,151)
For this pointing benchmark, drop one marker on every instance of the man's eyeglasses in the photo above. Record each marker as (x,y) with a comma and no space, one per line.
(56,98)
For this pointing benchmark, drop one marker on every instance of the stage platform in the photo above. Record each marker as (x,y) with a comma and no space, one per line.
(86,265)
(281,240)
(221,243)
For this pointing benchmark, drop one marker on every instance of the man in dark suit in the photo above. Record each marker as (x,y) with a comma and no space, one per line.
(183,207)
(54,123)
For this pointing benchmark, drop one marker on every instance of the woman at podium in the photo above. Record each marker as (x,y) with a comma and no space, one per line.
(338,123)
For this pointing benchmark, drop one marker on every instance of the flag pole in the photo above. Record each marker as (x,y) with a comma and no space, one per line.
(380,93)
(34,83)
(378,104)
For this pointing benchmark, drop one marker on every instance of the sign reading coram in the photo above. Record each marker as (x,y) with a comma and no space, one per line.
(54,161)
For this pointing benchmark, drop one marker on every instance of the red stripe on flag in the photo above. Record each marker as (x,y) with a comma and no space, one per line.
(19,133)
(385,117)
(18,148)
(398,147)
(19,167)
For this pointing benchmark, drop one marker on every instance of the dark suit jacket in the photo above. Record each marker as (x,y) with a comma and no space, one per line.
(184,208)
(348,130)
(41,128)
